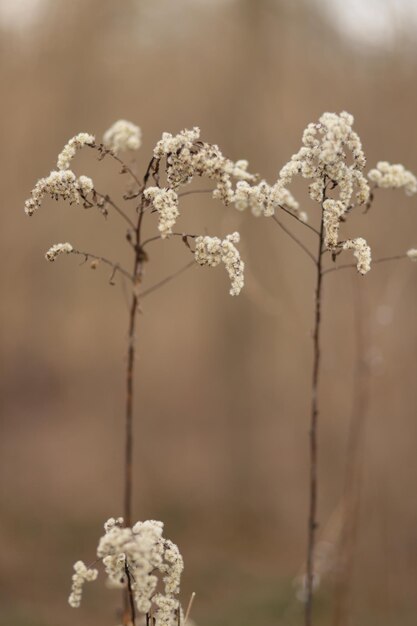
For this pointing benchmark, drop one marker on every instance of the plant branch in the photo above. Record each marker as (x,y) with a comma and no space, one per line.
(115,266)
(294,238)
(130,594)
(385,259)
(158,237)
(166,280)
(294,216)
(131,352)
(106,199)
(192,191)
(312,521)
(103,151)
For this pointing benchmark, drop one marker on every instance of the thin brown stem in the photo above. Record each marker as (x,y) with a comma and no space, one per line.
(106,198)
(166,280)
(103,151)
(115,266)
(159,237)
(312,515)
(371,198)
(128,466)
(129,412)
(294,238)
(294,216)
(192,191)
(130,596)
(385,259)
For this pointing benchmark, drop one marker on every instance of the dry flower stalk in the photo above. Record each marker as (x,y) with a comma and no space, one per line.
(332,159)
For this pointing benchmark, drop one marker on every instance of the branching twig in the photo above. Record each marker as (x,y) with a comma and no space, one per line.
(294,238)
(103,151)
(106,199)
(294,216)
(166,280)
(159,237)
(192,191)
(116,267)
(351,265)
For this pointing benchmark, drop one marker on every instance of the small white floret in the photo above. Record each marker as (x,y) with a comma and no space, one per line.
(57,249)
(412,254)
(121,136)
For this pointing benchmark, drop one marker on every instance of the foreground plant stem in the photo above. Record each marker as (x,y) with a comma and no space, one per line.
(312,521)
(129,612)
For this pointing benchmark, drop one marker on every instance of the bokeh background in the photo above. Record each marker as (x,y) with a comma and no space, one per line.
(222,383)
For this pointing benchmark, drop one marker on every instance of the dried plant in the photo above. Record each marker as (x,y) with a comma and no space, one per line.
(332,159)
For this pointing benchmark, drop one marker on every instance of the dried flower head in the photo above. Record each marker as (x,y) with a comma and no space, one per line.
(82,575)
(362,253)
(263,199)
(69,150)
(85,184)
(121,136)
(141,557)
(331,155)
(186,156)
(211,251)
(59,184)
(412,254)
(394,177)
(332,213)
(57,249)
(165,201)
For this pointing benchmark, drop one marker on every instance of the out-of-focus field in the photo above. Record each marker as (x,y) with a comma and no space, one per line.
(222,383)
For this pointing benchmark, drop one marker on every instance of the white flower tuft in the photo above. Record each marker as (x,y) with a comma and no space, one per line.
(332,212)
(362,252)
(59,184)
(69,150)
(82,575)
(412,254)
(262,198)
(393,176)
(57,249)
(212,251)
(165,201)
(186,156)
(85,184)
(147,557)
(121,136)
(327,148)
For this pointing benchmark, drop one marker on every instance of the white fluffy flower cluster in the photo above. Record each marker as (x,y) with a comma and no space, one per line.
(187,156)
(393,176)
(263,199)
(59,184)
(82,575)
(412,254)
(362,253)
(333,210)
(85,184)
(121,136)
(140,553)
(212,251)
(324,157)
(57,249)
(69,150)
(165,201)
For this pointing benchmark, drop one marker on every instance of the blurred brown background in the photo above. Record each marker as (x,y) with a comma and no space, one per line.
(222,383)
